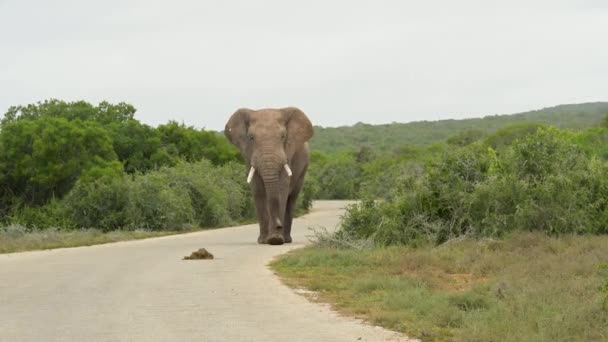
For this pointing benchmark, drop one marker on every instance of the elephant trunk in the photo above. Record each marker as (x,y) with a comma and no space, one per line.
(272,181)
(271,168)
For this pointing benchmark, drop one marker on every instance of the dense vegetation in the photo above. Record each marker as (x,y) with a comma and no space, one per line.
(387,138)
(75,165)
(550,180)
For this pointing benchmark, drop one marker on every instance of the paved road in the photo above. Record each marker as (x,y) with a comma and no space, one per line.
(144,291)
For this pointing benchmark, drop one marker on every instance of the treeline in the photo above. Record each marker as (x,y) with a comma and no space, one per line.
(523,177)
(387,138)
(76,165)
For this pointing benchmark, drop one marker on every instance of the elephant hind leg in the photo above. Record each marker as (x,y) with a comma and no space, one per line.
(292,201)
(290,211)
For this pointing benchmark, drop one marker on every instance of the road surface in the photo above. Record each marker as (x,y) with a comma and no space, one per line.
(144,291)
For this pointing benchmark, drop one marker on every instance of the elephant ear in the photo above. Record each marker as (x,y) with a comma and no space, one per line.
(236,128)
(299,129)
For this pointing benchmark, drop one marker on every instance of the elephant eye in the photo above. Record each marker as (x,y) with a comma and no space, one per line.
(250,136)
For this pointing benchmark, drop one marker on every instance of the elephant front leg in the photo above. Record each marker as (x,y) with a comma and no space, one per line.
(263,218)
(276,223)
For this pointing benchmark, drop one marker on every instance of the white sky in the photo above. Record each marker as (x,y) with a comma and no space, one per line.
(340,61)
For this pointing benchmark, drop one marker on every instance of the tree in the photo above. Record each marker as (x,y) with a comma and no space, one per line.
(104,113)
(465,137)
(139,146)
(192,145)
(43,158)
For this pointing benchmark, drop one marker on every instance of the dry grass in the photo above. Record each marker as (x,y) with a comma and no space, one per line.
(528,287)
(17,239)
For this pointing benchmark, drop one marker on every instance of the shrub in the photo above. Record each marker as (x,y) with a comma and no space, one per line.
(157,202)
(42,159)
(507,136)
(189,194)
(465,137)
(338,177)
(308,194)
(544,182)
(101,203)
(51,215)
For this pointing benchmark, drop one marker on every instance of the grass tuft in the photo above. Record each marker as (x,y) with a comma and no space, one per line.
(16,238)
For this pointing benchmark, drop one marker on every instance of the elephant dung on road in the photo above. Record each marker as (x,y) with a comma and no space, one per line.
(274,145)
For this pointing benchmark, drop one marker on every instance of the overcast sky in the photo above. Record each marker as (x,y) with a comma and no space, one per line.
(340,61)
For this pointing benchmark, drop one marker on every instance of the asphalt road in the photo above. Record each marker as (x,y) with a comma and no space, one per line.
(144,291)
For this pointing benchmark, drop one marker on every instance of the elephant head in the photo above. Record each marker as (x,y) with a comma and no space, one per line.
(269,141)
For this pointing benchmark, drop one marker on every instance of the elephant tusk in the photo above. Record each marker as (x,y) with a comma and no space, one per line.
(250,176)
(288,169)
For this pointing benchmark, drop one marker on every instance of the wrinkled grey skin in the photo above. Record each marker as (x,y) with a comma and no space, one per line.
(268,139)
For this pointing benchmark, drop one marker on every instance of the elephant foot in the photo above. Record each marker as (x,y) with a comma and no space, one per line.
(276,240)
(262,239)
(288,239)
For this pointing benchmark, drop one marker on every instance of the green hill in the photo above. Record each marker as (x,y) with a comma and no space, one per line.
(389,136)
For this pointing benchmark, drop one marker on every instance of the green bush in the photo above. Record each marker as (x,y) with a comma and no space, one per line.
(543,181)
(189,194)
(465,137)
(42,159)
(101,203)
(64,164)
(308,194)
(594,142)
(507,136)
(52,215)
(338,177)
(157,203)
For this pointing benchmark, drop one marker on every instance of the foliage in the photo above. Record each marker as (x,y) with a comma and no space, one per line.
(104,113)
(388,137)
(594,142)
(191,144)
(508,135)
(550,181)
(465,137)
(43,158)
(53,214)
(74,164)
(171,198)
(337,177)
(139,146)
(50,146)
(307,195)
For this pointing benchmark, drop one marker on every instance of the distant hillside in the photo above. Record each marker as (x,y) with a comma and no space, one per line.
(390,136)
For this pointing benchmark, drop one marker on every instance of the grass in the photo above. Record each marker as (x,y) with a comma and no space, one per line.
(527,287)
(16,239)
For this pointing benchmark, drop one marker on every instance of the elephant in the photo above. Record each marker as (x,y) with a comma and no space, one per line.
(274,146)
